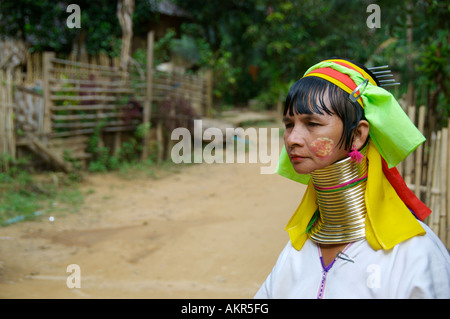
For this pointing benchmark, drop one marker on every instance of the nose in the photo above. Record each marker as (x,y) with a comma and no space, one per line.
(294,137)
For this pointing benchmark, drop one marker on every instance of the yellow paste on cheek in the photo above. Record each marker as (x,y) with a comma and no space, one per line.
(322,147)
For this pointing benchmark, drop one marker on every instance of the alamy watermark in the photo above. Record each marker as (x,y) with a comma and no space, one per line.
(239,144)
(374,278)
(374,19)
(74,19)
(74,279)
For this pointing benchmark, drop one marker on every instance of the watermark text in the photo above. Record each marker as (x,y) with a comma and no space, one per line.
(74,279)
(374,19)
(73,20)
(236,140)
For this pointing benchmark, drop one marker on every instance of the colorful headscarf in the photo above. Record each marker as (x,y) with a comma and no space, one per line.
(389,201)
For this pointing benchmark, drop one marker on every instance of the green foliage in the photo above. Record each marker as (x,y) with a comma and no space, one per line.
(278,38)
(23,198)
(274,94)
(283,38)
(100,154)
(101,27)
(162,47)
(128,153)
(186,49)
(42,24)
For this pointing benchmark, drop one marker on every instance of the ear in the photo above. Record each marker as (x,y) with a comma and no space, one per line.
(361,134)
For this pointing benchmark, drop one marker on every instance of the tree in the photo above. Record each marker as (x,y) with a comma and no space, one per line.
(281,38)
(41,24)
(125,10)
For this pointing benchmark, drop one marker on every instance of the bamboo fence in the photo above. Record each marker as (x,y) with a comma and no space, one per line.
(426,172)
(79,97)
(7,131)
(59,103)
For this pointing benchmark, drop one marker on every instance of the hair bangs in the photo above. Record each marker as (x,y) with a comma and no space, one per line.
(306,96)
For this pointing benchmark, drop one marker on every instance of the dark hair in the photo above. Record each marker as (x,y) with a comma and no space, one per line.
(306,96)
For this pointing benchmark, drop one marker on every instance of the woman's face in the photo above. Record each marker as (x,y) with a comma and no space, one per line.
(311,141)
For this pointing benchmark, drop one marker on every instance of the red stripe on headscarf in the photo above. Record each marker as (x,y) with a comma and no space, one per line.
(341,77)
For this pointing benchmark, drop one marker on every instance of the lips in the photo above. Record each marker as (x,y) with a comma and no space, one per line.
(296,157)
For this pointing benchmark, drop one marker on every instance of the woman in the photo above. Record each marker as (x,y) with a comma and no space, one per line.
(357,232)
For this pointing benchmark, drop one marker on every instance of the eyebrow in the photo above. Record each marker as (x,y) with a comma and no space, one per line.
(286,119)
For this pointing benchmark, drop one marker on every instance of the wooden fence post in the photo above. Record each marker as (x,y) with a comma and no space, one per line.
(7,137)
(10,114)
(448,185)
(435,191)
(149,94)
(29,74)
(419,151)
(47,66)
(430,171)
(409,161)
(443,169)
(209,92)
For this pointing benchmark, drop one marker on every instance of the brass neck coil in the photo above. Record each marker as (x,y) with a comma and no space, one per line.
(342,209)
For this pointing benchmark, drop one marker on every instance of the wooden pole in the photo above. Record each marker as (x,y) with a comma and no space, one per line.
(172,118)
(125,11)
(160,142)
(418,164)
(209,93)
(29,74)
(47,66)
(435,202)
(409,161)
(443,172)
(3,144)
(448,185)
(10,114)
(430,169)
(43,149)
(149,94)
(409,58)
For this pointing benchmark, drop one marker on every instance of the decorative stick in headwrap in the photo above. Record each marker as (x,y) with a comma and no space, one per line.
(393,137)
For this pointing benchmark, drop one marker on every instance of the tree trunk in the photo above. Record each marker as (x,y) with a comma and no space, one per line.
(125,10)
(409,40)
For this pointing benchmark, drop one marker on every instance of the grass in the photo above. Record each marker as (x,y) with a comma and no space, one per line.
(148,169)
(24,196)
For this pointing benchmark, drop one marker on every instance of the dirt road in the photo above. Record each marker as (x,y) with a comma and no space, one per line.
(207,231)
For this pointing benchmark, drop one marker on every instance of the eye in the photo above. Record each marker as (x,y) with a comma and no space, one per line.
(288,124)
(313,124)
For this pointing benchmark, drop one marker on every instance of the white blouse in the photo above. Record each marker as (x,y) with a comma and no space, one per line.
(416,268)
